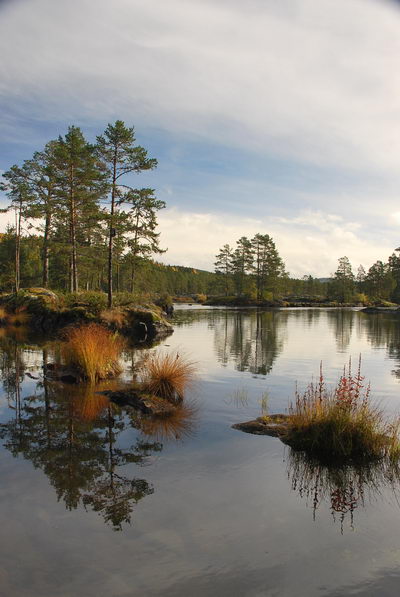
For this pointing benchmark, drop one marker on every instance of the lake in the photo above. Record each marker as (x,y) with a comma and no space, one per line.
(98,501)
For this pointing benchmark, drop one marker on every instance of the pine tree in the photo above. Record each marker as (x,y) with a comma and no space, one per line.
(140,224)
(117,150)
(360,278)
(223,266)
(341,288)
(18,190)
(80,185)
(40,174)
(242,260)
(268,266)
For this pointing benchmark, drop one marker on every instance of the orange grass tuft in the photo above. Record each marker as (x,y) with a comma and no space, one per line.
(167,375)
(93,350)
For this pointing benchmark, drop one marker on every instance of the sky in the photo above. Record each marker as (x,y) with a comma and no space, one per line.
(279,117)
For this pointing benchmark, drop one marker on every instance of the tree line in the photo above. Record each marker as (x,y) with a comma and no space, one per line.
(380,282)
(88,219)
(254,269)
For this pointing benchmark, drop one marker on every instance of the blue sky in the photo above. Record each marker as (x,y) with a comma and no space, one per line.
(273,117)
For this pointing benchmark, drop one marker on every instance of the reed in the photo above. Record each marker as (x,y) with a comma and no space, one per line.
(93,350)
(167,375)
(341,424)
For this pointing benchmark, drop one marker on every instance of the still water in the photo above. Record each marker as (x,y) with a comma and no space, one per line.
(98,501)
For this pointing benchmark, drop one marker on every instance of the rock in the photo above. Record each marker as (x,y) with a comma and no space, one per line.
(55,372)
(274,425)
(381,310)
(146,403)
(43,292)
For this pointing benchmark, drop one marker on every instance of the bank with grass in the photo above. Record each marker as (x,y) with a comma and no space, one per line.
(48,312)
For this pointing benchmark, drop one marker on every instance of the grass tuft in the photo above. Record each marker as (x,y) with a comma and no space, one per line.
(93,350)
(167,375)
(341,424)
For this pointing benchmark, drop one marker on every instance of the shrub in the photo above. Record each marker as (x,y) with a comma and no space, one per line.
(341,424)
(164,301)
(124,299)
(361,298)
(94,302)
(167,375)
(93,350)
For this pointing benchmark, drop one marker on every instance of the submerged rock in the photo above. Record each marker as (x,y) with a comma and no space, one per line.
(56,372)
(274,425)
(146,403)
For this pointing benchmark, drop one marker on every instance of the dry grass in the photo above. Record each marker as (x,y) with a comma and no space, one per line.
(341,423)
(114,317)
(167,375)
(93,350)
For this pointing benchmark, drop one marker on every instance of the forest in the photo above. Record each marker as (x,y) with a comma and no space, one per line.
(80,224)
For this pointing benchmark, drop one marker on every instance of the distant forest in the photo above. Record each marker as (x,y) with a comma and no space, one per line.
(254,270)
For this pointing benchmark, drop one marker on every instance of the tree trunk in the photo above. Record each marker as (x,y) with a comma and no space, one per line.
(111,234)
(18,218)
(46,251)
(132,277)
(73,257)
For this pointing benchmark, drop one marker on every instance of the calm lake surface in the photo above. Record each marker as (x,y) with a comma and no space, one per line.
(98,501)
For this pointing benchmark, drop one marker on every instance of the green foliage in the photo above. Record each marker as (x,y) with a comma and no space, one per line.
(362,298)
(93,302)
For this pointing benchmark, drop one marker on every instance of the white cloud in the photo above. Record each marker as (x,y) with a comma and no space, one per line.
(311,242)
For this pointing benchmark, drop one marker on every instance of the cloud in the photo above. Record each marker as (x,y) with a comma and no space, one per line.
(309,243)
(288,110)
(318,82)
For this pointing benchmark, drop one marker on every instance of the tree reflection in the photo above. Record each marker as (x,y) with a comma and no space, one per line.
(251,339)
(343,488)
(384,330)
(342,322)
(71,433)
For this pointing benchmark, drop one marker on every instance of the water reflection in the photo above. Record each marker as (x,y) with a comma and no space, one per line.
(251,339)
(71,433)
(82,459)
(179,425)
(341,322)
(344,489)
